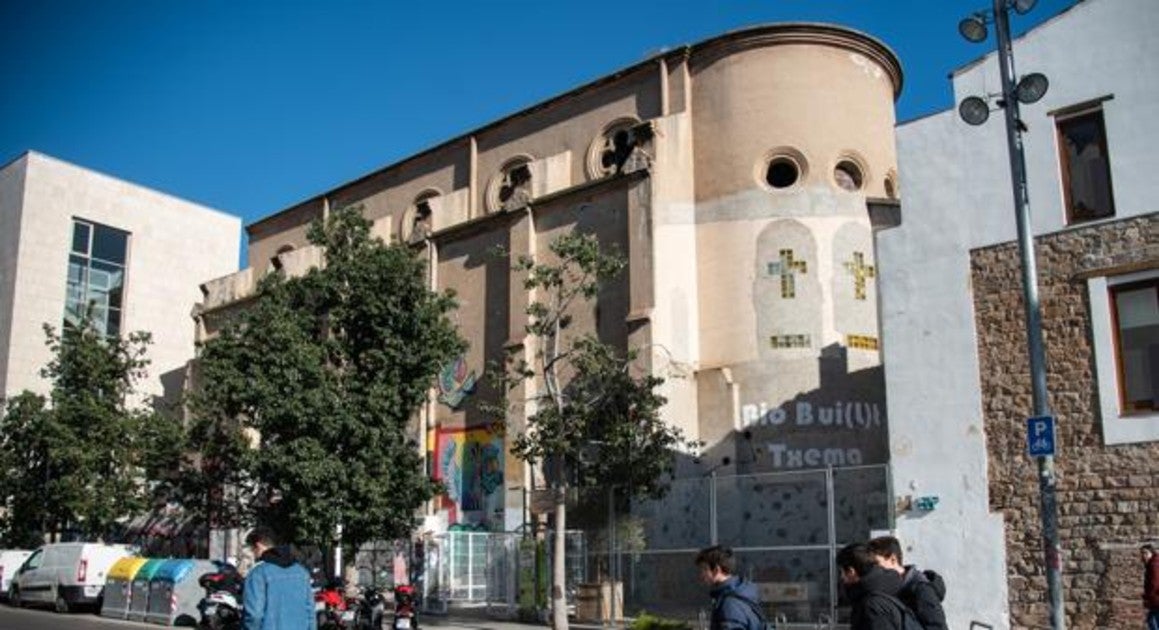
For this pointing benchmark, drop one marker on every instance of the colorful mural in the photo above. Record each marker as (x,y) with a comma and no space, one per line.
(456,383)
(469,463)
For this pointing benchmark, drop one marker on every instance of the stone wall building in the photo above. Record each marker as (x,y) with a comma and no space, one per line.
(954,337)
(70,237)
(734,174)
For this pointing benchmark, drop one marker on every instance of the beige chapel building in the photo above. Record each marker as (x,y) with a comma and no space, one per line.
(742,177)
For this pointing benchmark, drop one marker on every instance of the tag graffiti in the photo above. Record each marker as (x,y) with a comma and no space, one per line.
(850,415)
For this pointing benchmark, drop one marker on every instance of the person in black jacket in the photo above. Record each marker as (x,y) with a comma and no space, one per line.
(872,591)
(736,604)
(922,591)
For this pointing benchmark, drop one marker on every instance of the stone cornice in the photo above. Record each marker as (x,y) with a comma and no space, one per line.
(801,33)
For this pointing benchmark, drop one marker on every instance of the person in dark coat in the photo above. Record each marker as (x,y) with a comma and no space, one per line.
(872,591)
(922,591)
(1150,585)
(736,603)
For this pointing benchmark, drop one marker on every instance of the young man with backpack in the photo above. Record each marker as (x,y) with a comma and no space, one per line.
(922,591)
(872,591)
(736,603)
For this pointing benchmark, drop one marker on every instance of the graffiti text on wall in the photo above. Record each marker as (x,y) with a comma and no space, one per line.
(804,415)
(851,415)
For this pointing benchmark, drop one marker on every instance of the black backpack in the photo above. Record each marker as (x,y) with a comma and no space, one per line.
(909,620)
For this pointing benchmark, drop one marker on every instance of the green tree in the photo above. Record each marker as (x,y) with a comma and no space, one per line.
(24,469)
(92,455)
(596,418)
(219,486)
(329,369)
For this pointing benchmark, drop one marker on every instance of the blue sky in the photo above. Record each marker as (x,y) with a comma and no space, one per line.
(250,107)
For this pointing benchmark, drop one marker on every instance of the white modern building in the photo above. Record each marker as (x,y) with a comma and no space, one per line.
(71,237)
(958,385)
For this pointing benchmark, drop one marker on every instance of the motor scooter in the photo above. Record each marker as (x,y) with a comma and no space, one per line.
(221,608)
(405,608)
(371,609)
(331,607)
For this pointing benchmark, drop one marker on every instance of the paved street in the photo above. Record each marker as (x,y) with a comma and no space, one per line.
(43,619)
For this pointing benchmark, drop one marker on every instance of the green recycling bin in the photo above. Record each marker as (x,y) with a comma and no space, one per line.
(139,589)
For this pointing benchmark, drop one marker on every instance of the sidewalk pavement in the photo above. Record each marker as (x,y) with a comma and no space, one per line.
(470,620)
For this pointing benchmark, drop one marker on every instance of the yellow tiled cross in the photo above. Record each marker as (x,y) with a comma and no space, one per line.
(861,273)
(786,267)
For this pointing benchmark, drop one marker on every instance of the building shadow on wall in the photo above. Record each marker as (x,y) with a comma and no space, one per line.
(846,412)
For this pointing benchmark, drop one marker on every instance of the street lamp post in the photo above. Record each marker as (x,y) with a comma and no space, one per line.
(974,110)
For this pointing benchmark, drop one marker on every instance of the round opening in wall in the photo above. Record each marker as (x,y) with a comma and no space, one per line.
(848,175)
(782,172)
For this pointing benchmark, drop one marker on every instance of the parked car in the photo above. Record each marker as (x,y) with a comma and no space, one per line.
(65,575)
(10,561)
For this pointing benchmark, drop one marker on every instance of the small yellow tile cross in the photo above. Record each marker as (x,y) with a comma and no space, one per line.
(861,272)
(785,268)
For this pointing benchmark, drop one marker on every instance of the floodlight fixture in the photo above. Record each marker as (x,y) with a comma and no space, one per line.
(974,110)
(1022,7)
(973,28)
(1031,88)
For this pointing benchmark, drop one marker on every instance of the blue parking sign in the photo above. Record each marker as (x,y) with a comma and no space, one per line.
(1040,436)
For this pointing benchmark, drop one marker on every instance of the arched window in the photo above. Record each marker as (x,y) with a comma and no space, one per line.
(510,189)
(418,225)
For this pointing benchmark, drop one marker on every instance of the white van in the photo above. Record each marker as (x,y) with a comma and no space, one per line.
(10,561)
(65,574)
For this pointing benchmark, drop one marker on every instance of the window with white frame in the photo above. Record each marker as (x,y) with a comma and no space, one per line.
(96,276)
(1125,326)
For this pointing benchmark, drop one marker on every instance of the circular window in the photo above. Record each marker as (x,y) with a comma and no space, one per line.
(891,185)
(848,175)
(782,172)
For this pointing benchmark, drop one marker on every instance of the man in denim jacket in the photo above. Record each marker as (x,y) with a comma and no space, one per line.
(277,589)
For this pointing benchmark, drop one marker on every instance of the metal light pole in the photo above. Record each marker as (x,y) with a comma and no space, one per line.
(1011,93)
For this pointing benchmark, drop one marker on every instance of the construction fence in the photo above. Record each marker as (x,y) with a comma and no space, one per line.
(626,556)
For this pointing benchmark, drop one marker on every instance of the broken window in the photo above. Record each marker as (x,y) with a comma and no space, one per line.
(1086,168)
(420,227)
(515,189)
(782,172)
(848,175)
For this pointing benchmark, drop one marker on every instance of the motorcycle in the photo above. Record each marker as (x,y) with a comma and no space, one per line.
(332,609)
(221,608)
(405,608)
(372,609)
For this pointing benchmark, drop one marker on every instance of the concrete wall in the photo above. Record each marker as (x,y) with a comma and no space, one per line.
(174,245)
(957,197)
(11,200)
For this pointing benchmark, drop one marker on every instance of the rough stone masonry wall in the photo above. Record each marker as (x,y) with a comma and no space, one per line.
(1108,496)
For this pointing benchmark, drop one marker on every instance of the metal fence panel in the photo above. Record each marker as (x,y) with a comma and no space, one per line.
(502,572)
(785,528)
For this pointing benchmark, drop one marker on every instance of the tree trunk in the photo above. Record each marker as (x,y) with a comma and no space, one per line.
(559,562)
